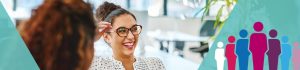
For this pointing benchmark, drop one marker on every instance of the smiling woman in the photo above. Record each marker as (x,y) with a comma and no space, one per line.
(121,31)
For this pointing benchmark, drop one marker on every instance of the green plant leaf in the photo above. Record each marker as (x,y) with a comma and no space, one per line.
(206,9)
(218,17)
(228,3)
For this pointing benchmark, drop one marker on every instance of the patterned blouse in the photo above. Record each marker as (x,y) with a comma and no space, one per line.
(141,63)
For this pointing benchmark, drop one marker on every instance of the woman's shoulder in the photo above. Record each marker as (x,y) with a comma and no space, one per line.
(99,61)
(151,62)
(102,59)
(149,59)
(104,62)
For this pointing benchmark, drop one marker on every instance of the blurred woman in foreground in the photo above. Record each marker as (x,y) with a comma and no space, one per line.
(60,35)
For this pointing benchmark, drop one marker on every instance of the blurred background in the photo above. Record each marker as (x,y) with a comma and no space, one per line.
(179,32)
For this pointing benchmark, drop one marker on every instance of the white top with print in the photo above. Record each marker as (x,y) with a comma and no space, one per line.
(141,63)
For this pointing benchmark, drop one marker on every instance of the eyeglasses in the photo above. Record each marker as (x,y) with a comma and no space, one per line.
(123,31)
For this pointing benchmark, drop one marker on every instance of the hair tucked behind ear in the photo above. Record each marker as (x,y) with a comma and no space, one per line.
(60,35)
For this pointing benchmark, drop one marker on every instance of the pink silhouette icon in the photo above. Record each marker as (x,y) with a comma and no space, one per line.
(258,46)
(230,53)
(296,56)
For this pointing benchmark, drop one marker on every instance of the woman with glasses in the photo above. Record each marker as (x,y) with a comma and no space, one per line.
(120,31)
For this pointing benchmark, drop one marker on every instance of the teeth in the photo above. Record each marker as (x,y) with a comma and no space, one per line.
(128,44)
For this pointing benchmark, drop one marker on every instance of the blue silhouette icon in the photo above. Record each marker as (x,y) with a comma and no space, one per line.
(286,53)
(242,51)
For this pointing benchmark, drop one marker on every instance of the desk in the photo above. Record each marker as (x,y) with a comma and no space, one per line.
(177,37)
(171,62)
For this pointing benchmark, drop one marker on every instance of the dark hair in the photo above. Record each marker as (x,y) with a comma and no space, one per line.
(60,35)
(109,11)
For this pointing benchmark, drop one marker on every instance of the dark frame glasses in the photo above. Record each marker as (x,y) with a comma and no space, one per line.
(123,31)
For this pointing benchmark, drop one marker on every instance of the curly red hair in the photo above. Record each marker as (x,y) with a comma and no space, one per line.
(60,35)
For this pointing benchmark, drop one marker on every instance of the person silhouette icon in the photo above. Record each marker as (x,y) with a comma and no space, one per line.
(274,50)
(230,53)
(242,50)
(258,46)
(296,56)
(220,56)
(286,53)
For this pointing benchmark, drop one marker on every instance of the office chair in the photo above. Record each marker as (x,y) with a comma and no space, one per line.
(207,30)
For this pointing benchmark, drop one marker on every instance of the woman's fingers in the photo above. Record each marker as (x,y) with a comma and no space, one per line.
(100,24)
(104,26)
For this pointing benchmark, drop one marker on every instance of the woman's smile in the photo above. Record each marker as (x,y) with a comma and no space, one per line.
(128,45)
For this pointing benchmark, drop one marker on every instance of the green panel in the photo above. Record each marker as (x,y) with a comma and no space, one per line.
(282,15)
(14,54)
